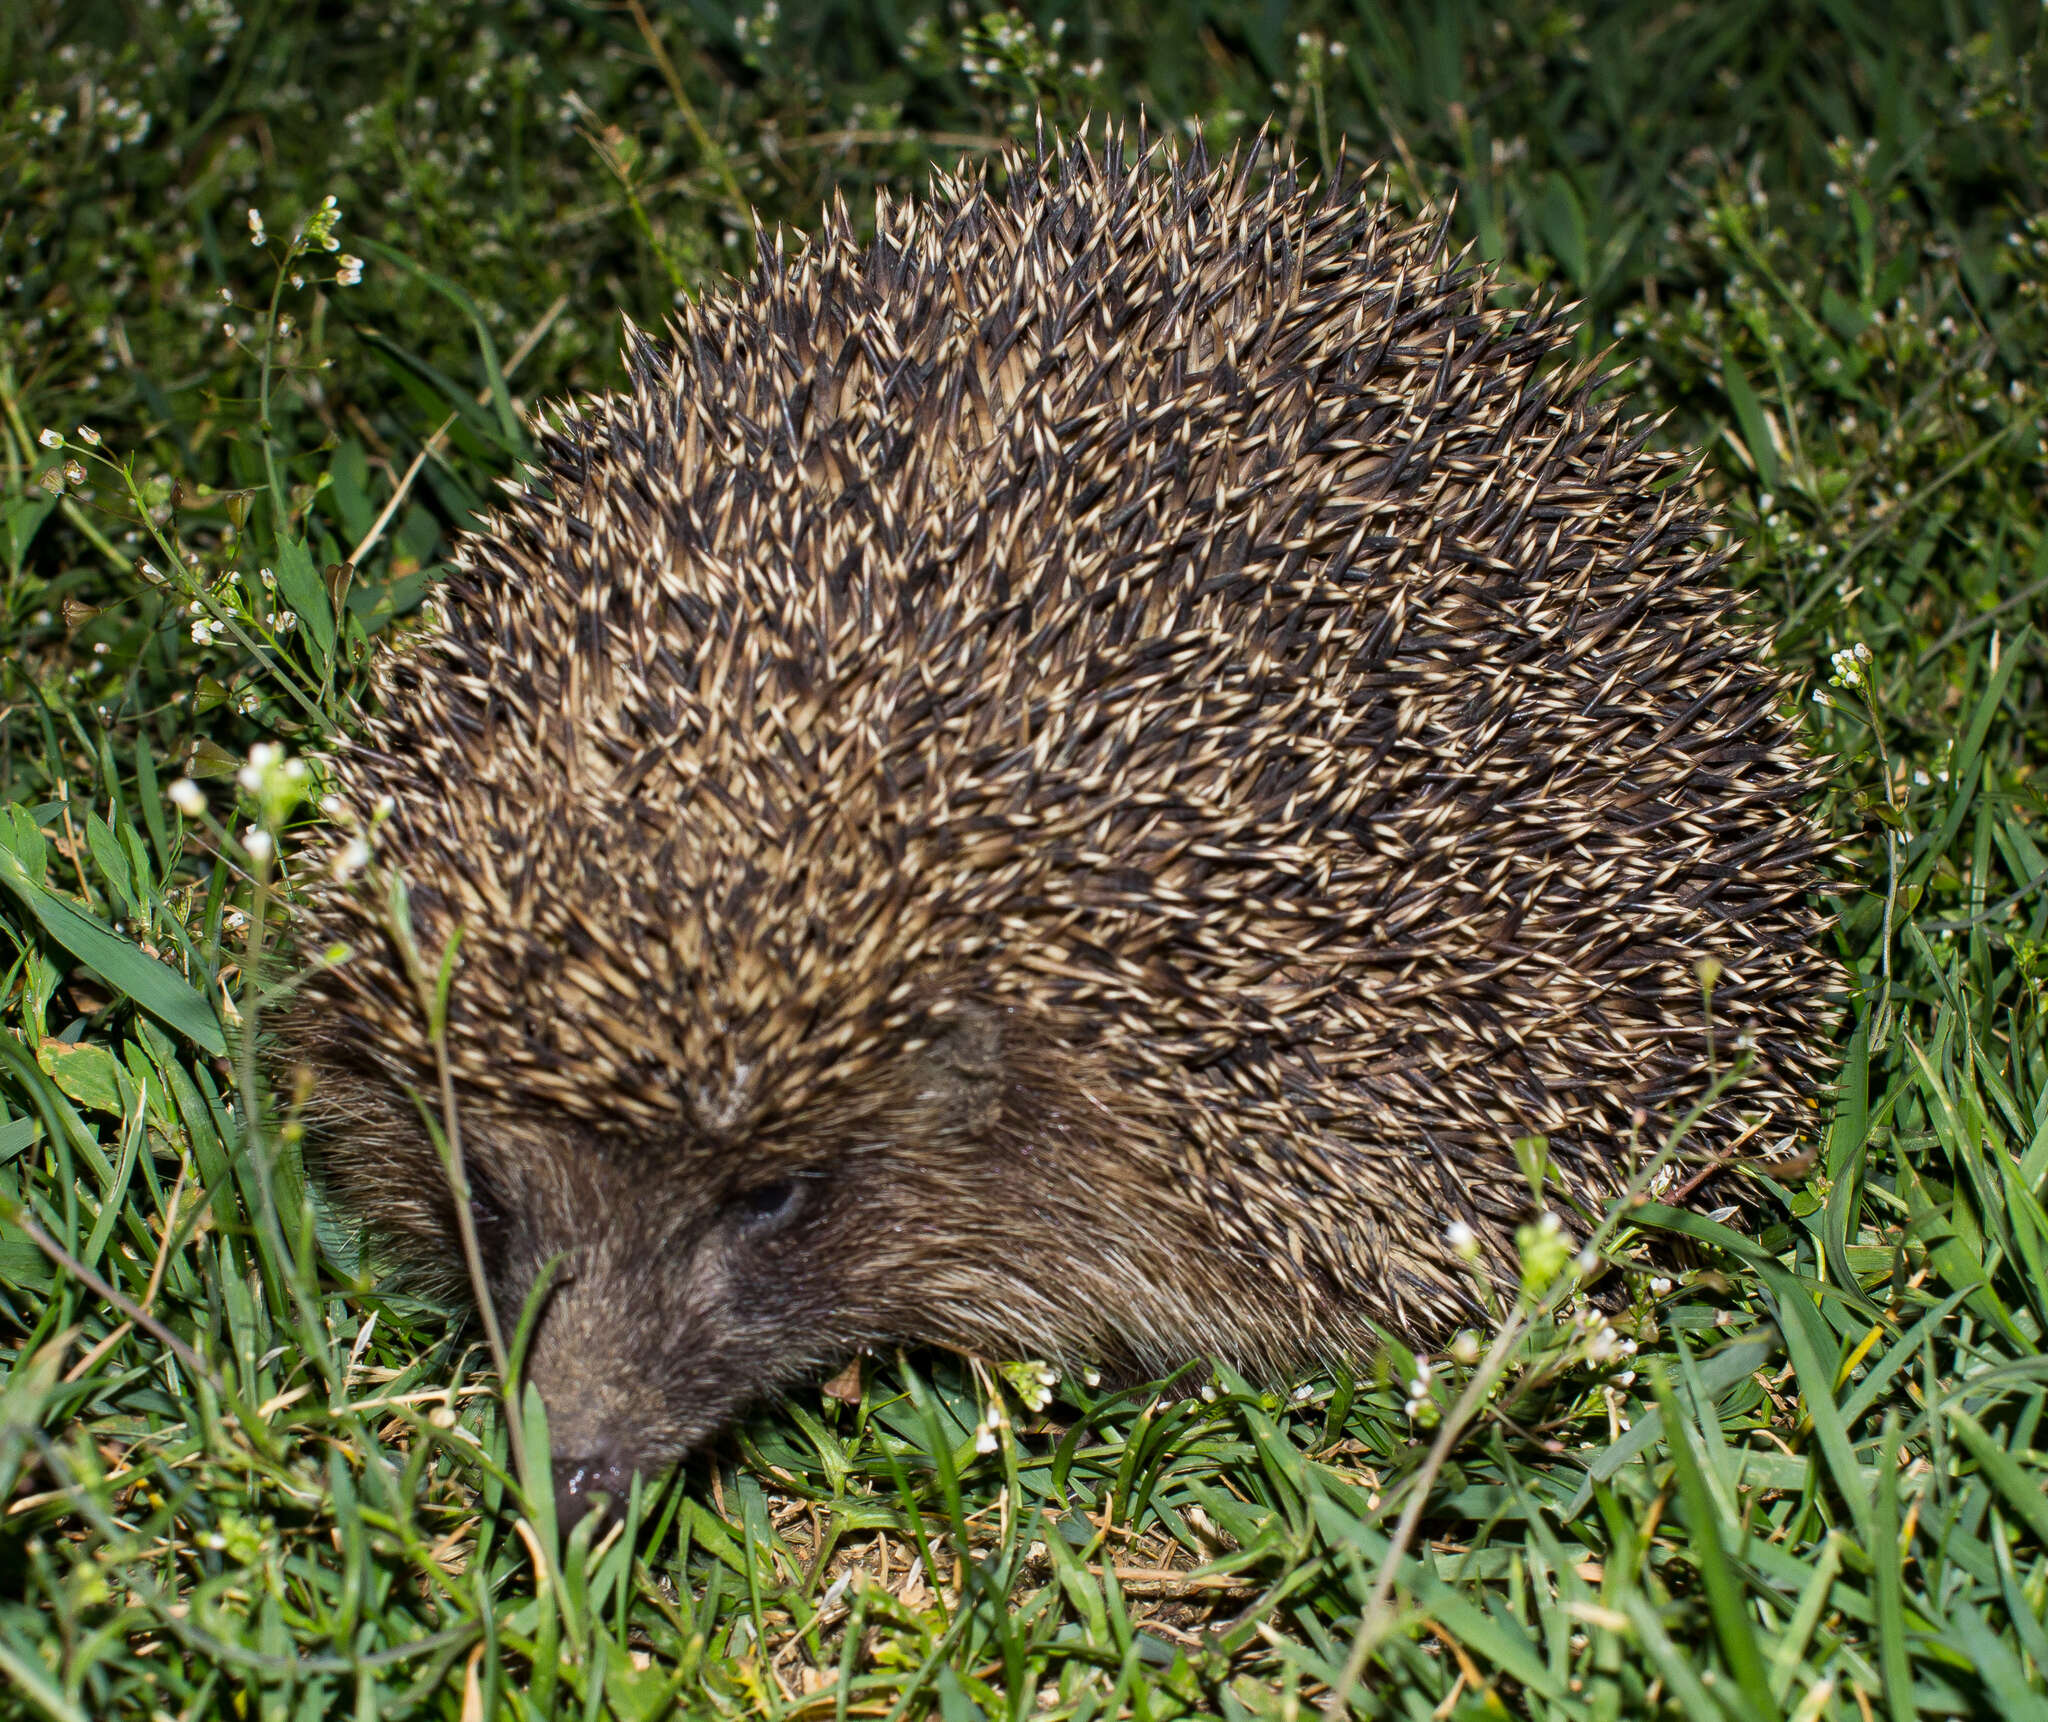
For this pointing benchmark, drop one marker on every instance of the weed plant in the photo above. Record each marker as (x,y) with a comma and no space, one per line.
(277,285)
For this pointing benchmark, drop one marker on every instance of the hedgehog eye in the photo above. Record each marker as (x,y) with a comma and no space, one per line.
(767,1207)
(486,1213)
(487,1221)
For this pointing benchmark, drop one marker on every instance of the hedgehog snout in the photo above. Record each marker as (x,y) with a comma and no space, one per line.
(630,1386)
(672,1309)
(600,1480)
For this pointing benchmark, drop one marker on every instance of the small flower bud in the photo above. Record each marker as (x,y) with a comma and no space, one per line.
(1544,1249)
(352,857)
(1032,1380)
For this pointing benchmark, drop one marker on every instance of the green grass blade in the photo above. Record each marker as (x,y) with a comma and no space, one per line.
(1725,1603)
(1888,1582)
(152,985)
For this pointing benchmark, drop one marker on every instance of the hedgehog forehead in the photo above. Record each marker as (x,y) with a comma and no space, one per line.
(711,992)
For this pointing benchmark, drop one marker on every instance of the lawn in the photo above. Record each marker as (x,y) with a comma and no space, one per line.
(277,286)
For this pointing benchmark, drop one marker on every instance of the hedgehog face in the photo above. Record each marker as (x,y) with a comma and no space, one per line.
(980,1184)
(700,1269)
(676,1301)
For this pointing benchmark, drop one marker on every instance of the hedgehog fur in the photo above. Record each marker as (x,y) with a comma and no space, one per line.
(1066,782)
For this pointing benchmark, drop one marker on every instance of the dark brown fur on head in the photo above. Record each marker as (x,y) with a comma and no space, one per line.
(1064,784)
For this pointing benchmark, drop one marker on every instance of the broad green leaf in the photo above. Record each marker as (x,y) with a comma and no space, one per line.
(154,986)
(1749,414)
(86,1071)
(300,585)
(107,856)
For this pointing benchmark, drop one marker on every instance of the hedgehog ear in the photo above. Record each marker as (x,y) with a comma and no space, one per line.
(960,1066)
(967,1035)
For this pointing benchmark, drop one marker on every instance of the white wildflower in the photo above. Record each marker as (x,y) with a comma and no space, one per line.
(187,797)
(350,859)
(263,757)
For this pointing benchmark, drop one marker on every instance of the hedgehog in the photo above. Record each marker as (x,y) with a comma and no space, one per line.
(1064,782)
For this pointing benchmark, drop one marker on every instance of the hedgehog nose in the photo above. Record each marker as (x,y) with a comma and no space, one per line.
(598,1481)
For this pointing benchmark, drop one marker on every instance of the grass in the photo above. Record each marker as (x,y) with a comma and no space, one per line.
(254,1484)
